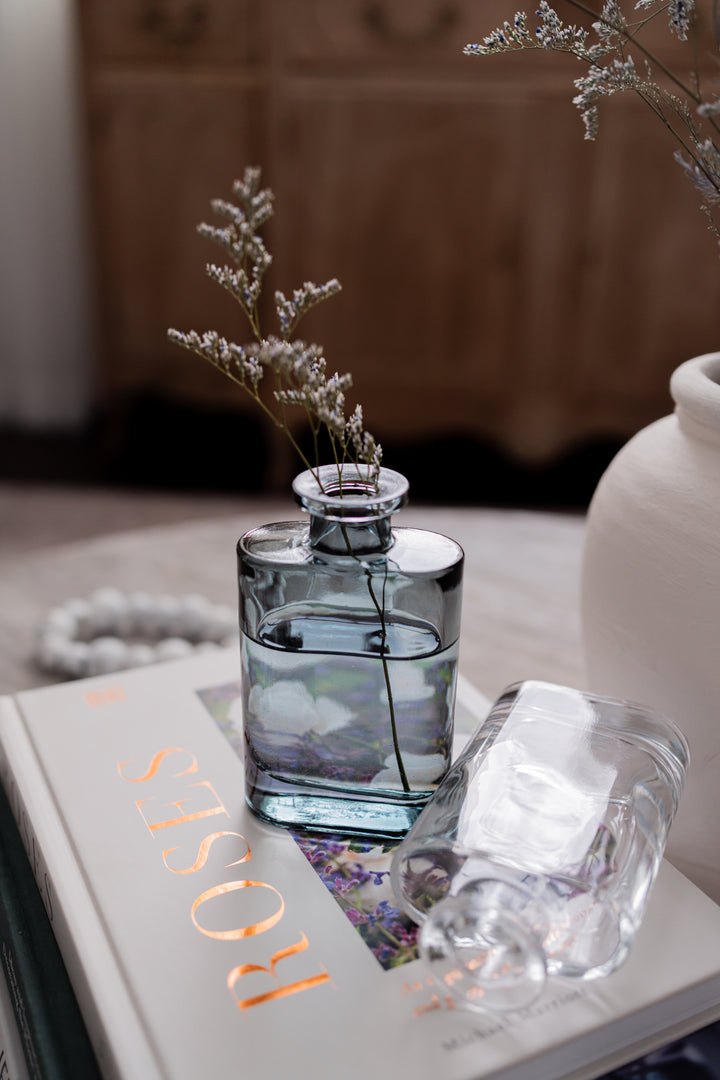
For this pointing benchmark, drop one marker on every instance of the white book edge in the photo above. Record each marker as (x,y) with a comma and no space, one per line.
(109,1006)
(639,1047)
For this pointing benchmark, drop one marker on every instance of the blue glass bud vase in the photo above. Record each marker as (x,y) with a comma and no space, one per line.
(349,644)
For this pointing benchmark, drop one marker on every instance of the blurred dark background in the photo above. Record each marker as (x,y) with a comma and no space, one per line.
(514,297)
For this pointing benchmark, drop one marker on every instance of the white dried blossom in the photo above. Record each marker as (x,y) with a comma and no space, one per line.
(256,201)
(354,426)
(239,242)
(366,448)
(299,369)
(245,290)
(235,360)
(602,82)
(704,170)
(510,36)
(681,14)
(551,33)
(612,25)
(291,311)
(677,100)
(591,122)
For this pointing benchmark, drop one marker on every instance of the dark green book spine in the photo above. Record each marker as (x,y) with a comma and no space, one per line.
(53,1034)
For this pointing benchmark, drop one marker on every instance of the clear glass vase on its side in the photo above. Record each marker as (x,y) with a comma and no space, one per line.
(349,643)
(538,852)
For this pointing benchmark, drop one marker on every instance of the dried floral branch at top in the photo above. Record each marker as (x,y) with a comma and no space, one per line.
(678,101)
(298,368)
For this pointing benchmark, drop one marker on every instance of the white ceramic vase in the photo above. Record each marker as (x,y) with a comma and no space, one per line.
(651,594)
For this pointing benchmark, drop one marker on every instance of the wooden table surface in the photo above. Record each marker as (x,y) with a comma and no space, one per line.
(520,602)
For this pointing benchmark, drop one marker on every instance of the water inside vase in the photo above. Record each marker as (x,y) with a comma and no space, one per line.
(320,746)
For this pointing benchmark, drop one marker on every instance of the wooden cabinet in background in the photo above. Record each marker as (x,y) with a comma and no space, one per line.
(502,277)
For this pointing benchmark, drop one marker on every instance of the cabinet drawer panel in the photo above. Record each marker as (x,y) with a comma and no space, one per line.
(159,154)
(428,36)
(200,31)
(522,290)
(377,32)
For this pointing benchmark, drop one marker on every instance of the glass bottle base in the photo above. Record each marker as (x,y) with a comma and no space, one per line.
(322,810)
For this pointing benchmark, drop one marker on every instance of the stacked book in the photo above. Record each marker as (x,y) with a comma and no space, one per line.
(153,929)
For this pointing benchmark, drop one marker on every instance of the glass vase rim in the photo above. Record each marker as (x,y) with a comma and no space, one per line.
(362,499)
(517,930)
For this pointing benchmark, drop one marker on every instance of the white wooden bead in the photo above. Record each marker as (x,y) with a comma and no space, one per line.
(172,648)
(221,621)
(61,621)
(140,655)
(107,606)
(192,615)
(139,603)
(51,646)
(106,654)
(77,658)
(206,646)
(81,612)
(111,631)
(159,620)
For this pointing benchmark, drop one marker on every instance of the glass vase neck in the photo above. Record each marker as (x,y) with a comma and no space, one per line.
(350,513)
(481,946)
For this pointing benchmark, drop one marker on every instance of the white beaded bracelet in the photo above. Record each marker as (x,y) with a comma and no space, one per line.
(111,631)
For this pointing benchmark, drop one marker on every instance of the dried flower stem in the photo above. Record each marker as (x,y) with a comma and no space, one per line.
(380,608)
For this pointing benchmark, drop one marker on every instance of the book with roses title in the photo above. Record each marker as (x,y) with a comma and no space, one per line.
(200,941)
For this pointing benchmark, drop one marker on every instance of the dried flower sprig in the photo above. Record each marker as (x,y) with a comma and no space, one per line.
(298,368)
(679,102)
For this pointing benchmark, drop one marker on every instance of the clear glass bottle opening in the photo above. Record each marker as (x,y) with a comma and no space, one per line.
(482,951)
(539,849)
(349,515)
(349,642)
